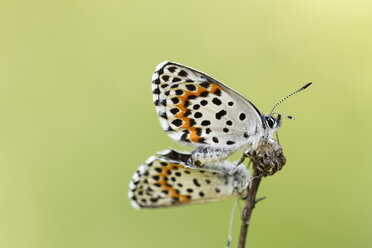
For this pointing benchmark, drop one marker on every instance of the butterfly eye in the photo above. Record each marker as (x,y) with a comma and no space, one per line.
(270,121)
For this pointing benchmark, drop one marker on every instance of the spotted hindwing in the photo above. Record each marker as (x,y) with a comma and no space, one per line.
(196,109)
(163,182)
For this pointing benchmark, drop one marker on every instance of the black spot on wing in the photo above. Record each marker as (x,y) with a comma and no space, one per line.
(217,92)
(182,73)
(205,123)
(192,122)
(220,114)
(179,92)
(198,131)
(184,136)
(165,78)
(205,85)
(160,71)
(191,97)
(216,101)
(187,113)
(174,111)
(204,94)
(190,87)
(175,100)
(198,115)
(196,182)
(172,68)
(156,81)
(203,102)
(196,106)
(177,122)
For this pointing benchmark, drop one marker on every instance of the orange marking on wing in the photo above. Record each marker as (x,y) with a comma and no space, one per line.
(172,191)
(214,88)
(193,136)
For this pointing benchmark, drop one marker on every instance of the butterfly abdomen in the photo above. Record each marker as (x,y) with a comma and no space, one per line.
(206,154)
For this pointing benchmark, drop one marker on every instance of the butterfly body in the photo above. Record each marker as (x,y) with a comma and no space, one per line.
(196,109)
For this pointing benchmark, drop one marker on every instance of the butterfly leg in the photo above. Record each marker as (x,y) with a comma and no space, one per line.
(277,136)
(241,159)
(246,154)
(249,163)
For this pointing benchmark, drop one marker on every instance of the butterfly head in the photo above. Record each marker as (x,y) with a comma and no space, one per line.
(272,122)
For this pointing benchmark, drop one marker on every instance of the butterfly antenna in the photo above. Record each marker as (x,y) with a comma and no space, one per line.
(285,98)
(231,223)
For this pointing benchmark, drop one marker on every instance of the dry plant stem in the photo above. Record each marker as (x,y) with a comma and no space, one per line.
(248,208)
(267,160)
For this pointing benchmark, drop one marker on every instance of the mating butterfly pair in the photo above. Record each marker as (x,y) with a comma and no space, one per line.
(196,109)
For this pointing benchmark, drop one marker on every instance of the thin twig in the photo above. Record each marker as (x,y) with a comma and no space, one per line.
(260,199)
(266,161)
(249,205)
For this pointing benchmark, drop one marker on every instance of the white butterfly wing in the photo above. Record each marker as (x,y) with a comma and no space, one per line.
(196,109)
(163,182)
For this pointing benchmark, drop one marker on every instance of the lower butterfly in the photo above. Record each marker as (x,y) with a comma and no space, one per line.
(166,181)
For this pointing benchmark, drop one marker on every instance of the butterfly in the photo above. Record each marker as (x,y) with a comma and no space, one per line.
(166,180)
(196,109)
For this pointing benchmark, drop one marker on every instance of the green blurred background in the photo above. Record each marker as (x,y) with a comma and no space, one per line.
(77,118)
